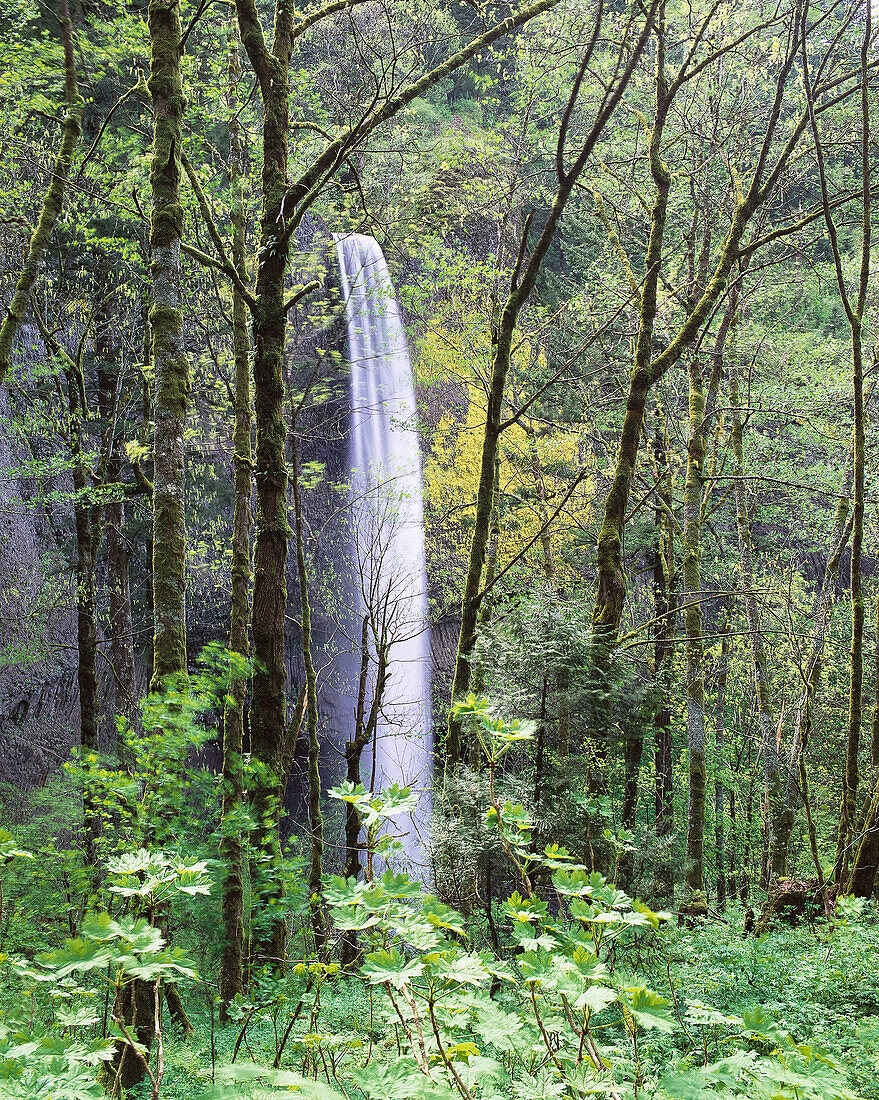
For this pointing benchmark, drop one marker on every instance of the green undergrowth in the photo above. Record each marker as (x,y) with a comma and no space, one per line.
(819,982)
(586,992)
(817,985)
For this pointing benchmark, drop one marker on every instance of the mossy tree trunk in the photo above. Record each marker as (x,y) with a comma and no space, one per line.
(702,408)
(862,880)
(170,364)
(611,579)
(663,637)
(272,530)
(169,410)
(232,959)
(694,870)
(53,200)
(721,764)
(865,864)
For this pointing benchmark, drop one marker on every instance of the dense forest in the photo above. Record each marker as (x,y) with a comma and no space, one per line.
(440,614)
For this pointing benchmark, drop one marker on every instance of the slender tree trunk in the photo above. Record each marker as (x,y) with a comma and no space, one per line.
(119,592)
(773,779)
(720,764)
(732,881)
(540,488)
(862,880)
(611,578)
(694,873)
(52,201)
(268,705)
(811,679)
(315,816)
(633,749)
(854,307)
(856,660)
(364,728)
(170,364)
(232,959)
(86,517)
(663,651)
(477,682)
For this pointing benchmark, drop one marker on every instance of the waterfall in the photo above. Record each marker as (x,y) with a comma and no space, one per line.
(387,570)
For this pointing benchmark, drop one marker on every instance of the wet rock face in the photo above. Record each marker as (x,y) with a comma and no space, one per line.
(38,696)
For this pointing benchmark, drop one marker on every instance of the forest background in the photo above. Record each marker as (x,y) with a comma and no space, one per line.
(632,247)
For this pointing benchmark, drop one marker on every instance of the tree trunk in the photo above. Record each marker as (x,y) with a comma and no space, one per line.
(863,875)
(232,959)
(720,764)
(268,704)
(611,578)
(773,780)
(811,674)
(170,364)
(862,880)
(854,310)
(86,525)
(663,631)
(315,816)
(856,657)
(694,872)
(119,591)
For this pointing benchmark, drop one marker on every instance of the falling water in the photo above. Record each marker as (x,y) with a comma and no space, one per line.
(387,526)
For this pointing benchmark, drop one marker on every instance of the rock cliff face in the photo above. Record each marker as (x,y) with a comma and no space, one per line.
(39,718)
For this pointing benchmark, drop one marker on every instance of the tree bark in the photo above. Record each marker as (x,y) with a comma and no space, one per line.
(720,748)
(694,870)
(663,631)
(170,364)
(232,959)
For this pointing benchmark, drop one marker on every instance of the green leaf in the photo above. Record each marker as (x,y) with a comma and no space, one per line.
(390,966)
(650,1010)
(400,1080)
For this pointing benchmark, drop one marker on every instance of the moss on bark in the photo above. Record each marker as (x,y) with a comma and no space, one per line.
(232,959)
(170,363)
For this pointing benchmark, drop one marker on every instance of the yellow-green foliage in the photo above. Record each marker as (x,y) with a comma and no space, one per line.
(446,359)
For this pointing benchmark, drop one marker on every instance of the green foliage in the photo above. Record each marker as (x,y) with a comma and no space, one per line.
(55,1062)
